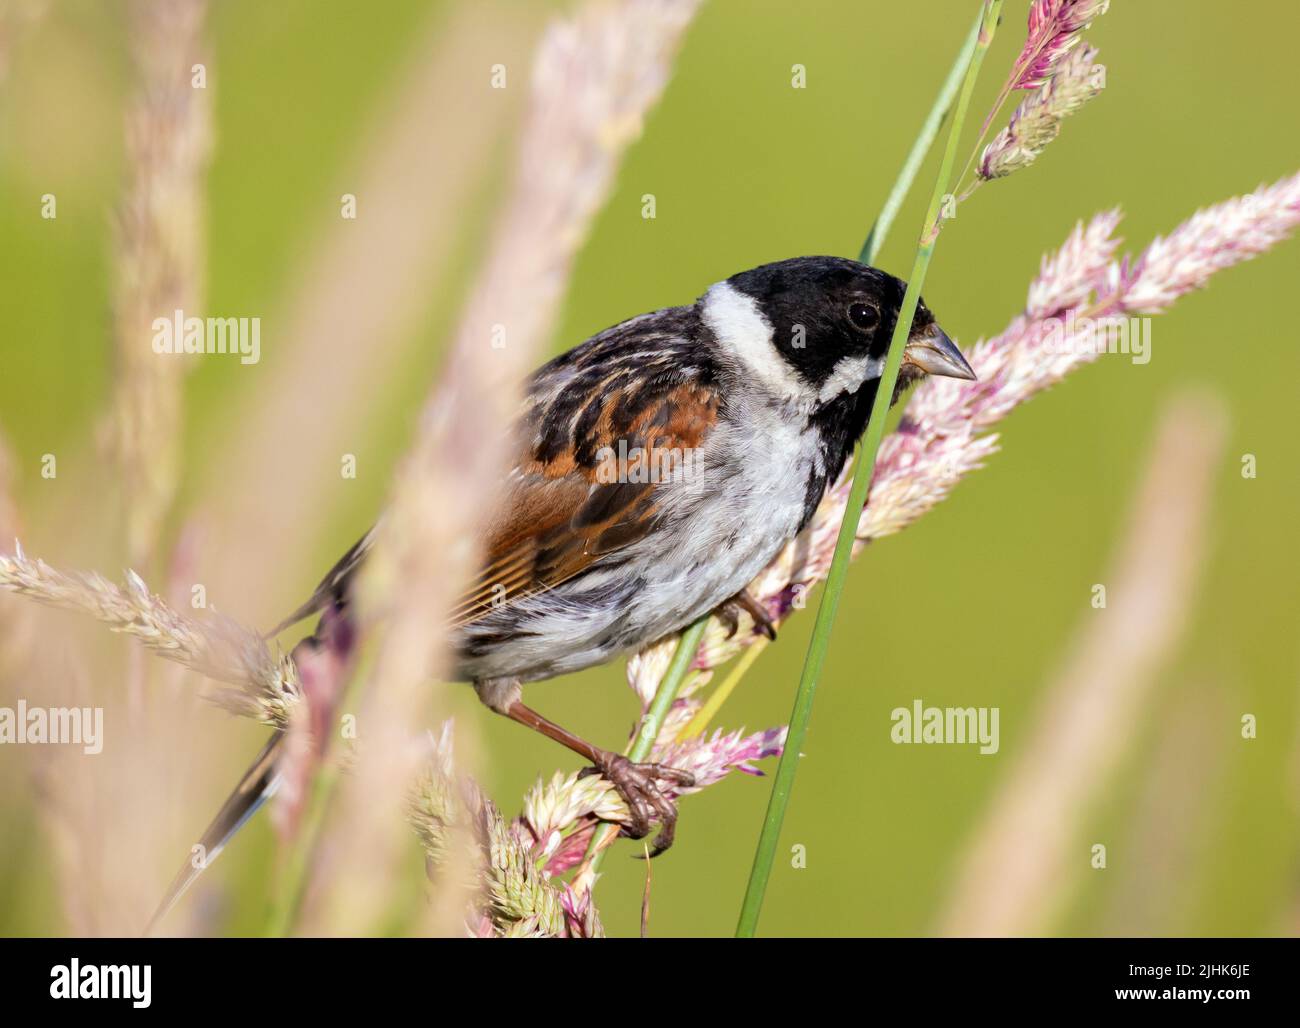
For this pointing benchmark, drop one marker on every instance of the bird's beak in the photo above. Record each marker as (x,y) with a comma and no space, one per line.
(935,354)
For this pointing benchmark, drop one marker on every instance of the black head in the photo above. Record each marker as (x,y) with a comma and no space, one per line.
(831,321)
(813,333)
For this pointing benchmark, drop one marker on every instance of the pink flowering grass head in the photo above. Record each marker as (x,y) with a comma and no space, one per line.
(1037,121)
(1055,27)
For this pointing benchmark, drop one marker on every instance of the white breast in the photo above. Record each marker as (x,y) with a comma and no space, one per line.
(722,525)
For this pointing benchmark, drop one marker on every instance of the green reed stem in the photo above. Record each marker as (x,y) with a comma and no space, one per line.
(287,902)
(295,865)
(867,255)
(870,251)
(651,725)
(920,147)
(765,854)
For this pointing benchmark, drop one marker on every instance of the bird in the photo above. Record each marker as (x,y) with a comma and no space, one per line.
(657,468)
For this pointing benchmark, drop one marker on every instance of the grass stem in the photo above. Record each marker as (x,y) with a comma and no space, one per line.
(651,724)
(920,147)
(765,854)
(700,722)
(875,240)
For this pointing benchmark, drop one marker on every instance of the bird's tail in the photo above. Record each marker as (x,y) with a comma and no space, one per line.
(258,785)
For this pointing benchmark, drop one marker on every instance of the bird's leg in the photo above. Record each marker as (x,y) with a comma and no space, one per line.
(728,613)
(636,783)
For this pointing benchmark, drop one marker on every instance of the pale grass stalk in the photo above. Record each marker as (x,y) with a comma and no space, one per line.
(259,684)
(1027,856)
(358,303)
(595,77)
(108,879)
(1170,826)
(157,260)
(17,18)
(157,268)
(66,804)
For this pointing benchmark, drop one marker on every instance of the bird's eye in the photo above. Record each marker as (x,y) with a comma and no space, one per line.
(864,316)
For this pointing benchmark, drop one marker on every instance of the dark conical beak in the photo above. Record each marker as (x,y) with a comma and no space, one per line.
(935,354)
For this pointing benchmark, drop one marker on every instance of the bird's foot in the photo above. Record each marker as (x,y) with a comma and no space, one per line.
(646,802)
(729,614)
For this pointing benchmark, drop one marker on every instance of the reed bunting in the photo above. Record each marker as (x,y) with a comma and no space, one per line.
(659,466)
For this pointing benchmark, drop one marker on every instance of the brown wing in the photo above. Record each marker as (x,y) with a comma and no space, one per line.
(568,506)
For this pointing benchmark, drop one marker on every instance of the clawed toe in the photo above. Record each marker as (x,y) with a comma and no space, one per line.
(646,802)
(729,614)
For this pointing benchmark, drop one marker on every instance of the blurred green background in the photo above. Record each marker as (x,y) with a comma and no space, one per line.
(1199,106)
